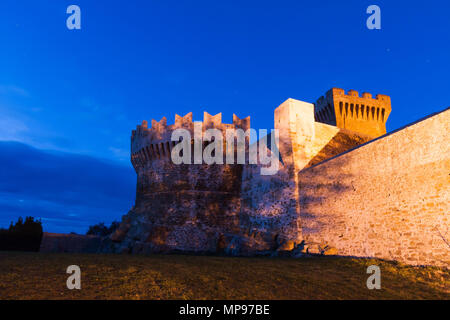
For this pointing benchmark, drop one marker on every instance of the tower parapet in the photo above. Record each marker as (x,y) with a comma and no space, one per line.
(363,114)
(155,143)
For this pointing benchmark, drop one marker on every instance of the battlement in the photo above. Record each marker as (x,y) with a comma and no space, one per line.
(154,143)
(363,114)
(186,122)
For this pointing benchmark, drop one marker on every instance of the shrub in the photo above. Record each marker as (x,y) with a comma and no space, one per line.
(101,230)
(22,236)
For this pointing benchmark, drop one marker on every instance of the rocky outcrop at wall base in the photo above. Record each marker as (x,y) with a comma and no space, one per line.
(194,228)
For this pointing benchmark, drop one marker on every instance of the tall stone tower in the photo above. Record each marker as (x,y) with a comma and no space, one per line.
(350,111)
(187,207)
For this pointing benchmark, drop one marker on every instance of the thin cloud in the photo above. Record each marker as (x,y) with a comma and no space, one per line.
(13,90)
(12,129)
(120,154)
(78,190)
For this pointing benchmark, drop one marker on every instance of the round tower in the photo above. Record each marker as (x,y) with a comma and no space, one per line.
(188,207)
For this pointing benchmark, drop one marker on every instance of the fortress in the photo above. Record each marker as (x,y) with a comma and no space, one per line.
(344,187)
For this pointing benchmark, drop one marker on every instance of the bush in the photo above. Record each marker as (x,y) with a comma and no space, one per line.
(101,230)
(22,236)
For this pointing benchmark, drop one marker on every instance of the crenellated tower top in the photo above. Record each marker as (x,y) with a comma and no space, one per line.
(351,111)
(154,143)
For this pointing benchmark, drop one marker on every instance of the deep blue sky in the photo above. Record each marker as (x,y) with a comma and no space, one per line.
(69,99)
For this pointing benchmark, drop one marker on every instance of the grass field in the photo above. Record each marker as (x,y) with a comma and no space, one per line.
(43,276)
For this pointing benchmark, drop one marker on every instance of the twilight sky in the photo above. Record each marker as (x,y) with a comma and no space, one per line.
(70,98)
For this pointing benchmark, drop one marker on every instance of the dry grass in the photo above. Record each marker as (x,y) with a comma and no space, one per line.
(42,276)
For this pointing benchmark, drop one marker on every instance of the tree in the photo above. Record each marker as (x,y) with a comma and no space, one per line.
(101,230)
(22,236)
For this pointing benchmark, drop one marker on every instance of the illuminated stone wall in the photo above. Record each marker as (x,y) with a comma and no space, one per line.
(387,199)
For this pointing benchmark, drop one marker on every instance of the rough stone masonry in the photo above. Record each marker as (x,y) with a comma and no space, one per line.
(343,187)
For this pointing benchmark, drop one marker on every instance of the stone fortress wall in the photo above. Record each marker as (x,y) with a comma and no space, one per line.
(388,198)
(310,204)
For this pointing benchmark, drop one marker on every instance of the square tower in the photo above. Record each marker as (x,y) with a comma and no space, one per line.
(364,114)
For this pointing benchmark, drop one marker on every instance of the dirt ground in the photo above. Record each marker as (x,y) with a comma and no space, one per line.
(26,275)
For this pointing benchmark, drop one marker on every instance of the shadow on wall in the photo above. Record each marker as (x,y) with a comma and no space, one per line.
(268,216)
(317,185)
(343,141)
